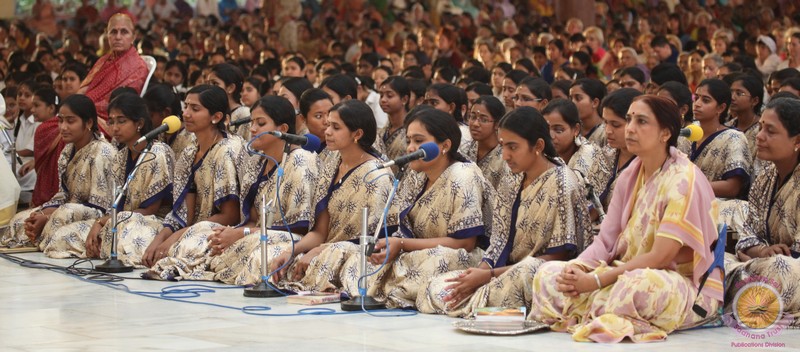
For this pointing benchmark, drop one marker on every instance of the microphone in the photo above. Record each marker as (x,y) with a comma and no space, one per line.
(241,121)
(308,141)
(171,124)
(426,151)
(692,132)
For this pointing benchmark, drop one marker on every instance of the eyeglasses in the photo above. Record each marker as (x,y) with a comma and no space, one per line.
(526,99)
(482,119)
(739,94)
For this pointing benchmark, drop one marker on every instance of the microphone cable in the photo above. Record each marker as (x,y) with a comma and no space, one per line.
(279,175)
(174,293)
(363,278)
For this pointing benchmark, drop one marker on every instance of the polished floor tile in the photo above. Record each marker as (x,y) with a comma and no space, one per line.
(43,310)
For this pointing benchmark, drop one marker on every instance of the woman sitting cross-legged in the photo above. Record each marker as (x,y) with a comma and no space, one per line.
(85,187)
(341,192)
(540,215)
(234,255)
(769,248)
(149,194)
(640,276)
(443,209)
(206,187)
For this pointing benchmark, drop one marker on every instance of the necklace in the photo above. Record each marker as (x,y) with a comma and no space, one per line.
(344,168)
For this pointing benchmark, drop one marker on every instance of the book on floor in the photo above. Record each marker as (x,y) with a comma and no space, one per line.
(313,298)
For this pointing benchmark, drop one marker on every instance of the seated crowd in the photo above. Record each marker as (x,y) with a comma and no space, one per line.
(564,181)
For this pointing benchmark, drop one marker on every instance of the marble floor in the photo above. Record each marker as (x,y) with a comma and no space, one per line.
(42,310)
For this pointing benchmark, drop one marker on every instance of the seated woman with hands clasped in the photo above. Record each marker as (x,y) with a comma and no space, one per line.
(443,211)
(640,276)
(540,214)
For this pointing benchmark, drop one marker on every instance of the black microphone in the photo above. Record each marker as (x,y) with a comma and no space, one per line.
(241,121)
(426,151)
(171,124)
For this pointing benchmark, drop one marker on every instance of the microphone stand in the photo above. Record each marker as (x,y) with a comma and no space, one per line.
(113,264)
(262,289)
(12,149)
(363,301)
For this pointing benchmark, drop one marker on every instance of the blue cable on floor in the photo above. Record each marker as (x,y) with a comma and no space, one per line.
(174,293)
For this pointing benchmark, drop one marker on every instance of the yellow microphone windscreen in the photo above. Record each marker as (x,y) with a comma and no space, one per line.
(173,122)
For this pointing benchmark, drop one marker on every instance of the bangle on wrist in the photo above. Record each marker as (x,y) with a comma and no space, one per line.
(597,280)
(402,246)
(491,270)
(246,231)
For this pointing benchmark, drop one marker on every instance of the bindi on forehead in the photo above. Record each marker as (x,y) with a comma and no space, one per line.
(120,21)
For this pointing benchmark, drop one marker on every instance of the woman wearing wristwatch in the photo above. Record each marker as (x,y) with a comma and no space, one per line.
(235,255)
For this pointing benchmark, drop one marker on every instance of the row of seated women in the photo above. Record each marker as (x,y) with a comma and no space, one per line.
(456,241)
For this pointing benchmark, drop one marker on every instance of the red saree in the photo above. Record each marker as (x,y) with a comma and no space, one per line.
(47,146)
(111,72)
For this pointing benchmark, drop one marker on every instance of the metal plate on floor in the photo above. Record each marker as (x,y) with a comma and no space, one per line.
(499,327)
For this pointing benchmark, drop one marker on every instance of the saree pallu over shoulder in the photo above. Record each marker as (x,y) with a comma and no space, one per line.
(550,215)
(721,156)
(88,185)
(345,199)
(364,186)
(585,157)
(152,183)
(603,174)
(86,176)
(298,185)
(677,202)
(178,141)
(153,180)
(458,204)
(214,179)
(394,144)
(597,136)
(774,216)
(110,72)
(241,262)
(494,168)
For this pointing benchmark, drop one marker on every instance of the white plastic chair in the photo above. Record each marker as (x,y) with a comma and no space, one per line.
(151,67)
